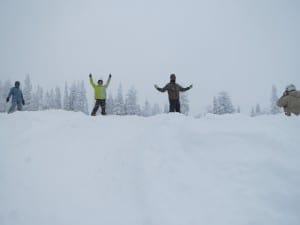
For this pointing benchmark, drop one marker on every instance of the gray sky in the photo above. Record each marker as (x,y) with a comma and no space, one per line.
(242,47)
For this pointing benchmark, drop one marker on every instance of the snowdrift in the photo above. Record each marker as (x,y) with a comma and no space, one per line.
(65,168)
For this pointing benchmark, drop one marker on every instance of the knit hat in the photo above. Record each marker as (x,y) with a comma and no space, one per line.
(290,87)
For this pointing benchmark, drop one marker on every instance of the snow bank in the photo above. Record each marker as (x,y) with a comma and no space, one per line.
(64,168)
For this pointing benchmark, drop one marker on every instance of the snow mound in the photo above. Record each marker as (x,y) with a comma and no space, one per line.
(65,168)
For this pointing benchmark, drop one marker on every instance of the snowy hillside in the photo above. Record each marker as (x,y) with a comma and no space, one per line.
(65,168)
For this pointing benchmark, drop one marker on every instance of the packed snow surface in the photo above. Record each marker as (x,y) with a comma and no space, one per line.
(66,168)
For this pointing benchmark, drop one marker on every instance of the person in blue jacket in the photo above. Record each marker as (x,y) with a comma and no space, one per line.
(17,98)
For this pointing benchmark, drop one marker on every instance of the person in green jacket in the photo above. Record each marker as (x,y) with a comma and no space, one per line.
(100,94)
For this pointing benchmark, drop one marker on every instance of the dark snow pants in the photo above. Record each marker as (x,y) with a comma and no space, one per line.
(14,105)
(174,105)
(99,103)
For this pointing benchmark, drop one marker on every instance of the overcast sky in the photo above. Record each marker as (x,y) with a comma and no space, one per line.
(242,47)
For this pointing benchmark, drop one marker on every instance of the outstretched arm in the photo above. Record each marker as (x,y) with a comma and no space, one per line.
(185,89)
(162,89)
(108,81)
(91,80)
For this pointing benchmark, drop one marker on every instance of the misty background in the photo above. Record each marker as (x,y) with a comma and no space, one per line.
(242,47)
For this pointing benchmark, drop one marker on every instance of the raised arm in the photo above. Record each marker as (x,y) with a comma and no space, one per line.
(91,81)
(108,81)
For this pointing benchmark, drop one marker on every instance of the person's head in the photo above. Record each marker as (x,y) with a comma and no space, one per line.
(17,84)
(290,88)
(172,77)
(100,82)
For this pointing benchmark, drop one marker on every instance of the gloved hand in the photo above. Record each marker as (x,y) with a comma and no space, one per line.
(287,113)
(7,99)
(155,86)
(90,75)
(23,102)
(191,86)
(109,76)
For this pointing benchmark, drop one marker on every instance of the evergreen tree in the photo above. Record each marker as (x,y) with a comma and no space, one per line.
(238,110)
(57,101)
(72,98)
(257,110)
(131,102)
(184,103)
(82,104)
(224,103)
(274,98)
(34,102)
(146,111)
(66,103)
(252,112)
(40,97)
(119,108)
(156,109)
(110,104)
(27,93)
(4,93)
(215,109)
(52,99)
(47,102)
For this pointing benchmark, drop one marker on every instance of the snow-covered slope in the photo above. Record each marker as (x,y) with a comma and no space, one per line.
(65,168)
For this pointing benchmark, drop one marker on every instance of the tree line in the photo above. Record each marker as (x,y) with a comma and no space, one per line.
(74,98)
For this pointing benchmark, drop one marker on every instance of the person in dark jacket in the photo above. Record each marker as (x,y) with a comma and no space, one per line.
(17,98)
(173,92)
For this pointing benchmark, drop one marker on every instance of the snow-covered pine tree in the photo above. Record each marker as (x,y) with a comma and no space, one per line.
(5,91)
(66,102)
(52,99)
(131,102)
(73,98)
(224,103)
(82,99)
(184,103)
(34,102)
(40,97)
(57,98)
(156,109)
(215,108)
(238,110)
(257,110)
(252,114)
(146,111)
(119,108)
(27,93)
(110,104)
(138,110)
(47,101)
(274,109)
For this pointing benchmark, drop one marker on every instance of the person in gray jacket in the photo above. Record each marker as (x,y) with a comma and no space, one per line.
(290,100)
(17,98)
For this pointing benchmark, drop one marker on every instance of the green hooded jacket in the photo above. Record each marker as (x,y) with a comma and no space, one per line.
(100,90)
